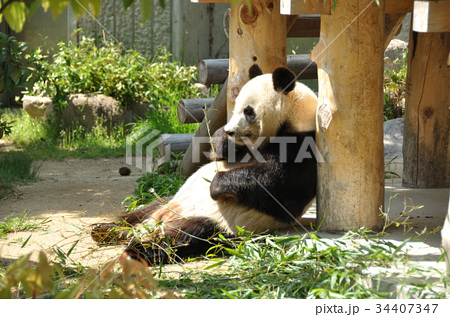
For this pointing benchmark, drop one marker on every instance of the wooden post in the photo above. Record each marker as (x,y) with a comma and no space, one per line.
(257,36)
(426,148)
(349,59)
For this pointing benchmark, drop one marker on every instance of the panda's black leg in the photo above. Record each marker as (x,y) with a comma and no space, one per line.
(143,213)
(182,238)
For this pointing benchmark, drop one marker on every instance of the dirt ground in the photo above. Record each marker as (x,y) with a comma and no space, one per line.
(72,194)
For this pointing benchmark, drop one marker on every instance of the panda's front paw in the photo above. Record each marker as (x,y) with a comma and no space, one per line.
(220,143)
(217,189)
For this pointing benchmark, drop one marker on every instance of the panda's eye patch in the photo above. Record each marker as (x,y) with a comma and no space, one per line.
(249,114)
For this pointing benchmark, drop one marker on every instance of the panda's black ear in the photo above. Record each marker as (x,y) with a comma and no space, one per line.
(254,71)
(283,80)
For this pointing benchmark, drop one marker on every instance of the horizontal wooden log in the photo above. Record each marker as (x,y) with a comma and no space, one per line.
(192,110)
(215,71)
(302,66)
(305,26)
(176,143)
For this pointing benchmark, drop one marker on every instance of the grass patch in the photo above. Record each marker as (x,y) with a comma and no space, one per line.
(15,167)
(41,140)
(22,223)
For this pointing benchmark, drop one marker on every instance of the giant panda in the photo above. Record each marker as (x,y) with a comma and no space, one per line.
(260,178)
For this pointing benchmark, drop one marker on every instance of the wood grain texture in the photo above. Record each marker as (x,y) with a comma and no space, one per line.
(349,58)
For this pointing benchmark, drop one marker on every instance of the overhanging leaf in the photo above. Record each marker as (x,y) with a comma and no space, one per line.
(15,16)
(127,3)
(58,6)
(146,8)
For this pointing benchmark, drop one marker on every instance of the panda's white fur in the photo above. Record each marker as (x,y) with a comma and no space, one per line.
(295,109)
(298,108)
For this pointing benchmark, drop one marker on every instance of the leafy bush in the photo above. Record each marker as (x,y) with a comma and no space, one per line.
(111,70)
(394,90)
(17,69)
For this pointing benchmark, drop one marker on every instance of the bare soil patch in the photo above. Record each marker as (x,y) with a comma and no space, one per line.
(72,194)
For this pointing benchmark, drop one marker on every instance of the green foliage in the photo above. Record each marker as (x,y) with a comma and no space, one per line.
(22,223)
(395,90)
(165,181)
(48,279)
(16,12)
(5,126)
(88,69)
(111,70)
(16,68)
(306,266)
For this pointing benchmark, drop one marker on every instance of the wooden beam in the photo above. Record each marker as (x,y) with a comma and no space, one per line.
(305,26)
(257,36)
(399,6)
(216,118)
(431,16)
(297,7)
(426,148)
(349,132)
(392,23)
(215,71)
(192,110)
(178,143)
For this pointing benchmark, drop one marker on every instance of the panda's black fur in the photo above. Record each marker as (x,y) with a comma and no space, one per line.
(259,196)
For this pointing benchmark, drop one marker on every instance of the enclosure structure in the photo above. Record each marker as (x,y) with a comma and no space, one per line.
(349,58)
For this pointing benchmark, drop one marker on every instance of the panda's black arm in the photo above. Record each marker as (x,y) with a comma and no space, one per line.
(276,189)
(251,180)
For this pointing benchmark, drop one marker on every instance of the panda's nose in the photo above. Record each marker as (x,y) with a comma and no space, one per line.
(230,133)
